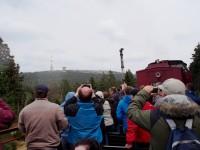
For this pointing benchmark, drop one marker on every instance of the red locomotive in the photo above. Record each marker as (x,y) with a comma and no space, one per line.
(159,71)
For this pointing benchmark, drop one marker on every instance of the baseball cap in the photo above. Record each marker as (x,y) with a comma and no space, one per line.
(42,88)
(172,86)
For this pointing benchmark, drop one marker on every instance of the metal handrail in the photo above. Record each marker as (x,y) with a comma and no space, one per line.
(10,138)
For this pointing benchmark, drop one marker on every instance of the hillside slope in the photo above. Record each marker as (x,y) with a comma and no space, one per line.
(73,76)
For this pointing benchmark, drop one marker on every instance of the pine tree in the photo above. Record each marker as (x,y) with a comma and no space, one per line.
(4,64)
(4,54)
(195,67)
(65,87)
(107,81)
(93,83)
(130,78)
(102,83)
(111,79)
(10,79)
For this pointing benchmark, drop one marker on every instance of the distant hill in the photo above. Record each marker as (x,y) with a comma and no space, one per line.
(73,76)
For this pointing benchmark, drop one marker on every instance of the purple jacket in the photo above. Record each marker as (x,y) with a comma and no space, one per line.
(6,115)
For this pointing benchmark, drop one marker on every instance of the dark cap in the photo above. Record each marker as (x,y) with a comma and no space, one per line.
(42,88)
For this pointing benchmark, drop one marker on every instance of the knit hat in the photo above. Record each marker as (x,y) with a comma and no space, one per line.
(100,94)
(41,88)
(172,86)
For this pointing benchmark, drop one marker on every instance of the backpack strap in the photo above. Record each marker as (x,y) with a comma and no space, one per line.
(98,108)
(188,123)
(171,123)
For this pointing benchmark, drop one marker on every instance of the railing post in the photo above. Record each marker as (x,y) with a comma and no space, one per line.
(1,147)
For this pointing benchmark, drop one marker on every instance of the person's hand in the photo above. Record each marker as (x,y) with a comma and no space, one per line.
(128,146)
(124,86)
(93,94)
(78,89)
(148,88)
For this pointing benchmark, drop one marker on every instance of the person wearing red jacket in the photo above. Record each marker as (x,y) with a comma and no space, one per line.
(6,115)
(136,137)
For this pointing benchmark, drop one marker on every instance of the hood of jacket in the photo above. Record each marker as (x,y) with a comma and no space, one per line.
(69,95)
(127,99)
(178,106)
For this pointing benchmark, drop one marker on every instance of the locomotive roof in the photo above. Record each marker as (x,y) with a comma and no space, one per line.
(167,63)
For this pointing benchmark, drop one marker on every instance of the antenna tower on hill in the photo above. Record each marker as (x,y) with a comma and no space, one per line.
(51,64)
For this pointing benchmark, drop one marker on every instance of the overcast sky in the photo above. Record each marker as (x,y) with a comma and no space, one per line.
(87,34)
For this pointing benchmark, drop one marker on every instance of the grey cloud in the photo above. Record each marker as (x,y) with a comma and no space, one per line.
(112,31)
(15,3)
(97,59)
(83,34)
(17,36)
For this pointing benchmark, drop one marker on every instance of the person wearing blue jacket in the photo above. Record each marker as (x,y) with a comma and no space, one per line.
(192,94)
(123,106)
(64,132)
(84,117)
(68,96)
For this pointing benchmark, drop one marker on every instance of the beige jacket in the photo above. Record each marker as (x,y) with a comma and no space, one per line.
(108,120)
(41,121)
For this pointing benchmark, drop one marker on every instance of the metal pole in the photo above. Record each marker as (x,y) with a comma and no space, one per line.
(122,61)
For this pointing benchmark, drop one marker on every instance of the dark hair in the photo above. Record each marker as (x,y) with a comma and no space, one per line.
(134,91)
(105,94)
(190,86)
(113,89)
(90,144)
(128,90)
(41,94)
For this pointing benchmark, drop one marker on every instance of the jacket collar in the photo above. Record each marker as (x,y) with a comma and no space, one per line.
(179,110)
(46,99)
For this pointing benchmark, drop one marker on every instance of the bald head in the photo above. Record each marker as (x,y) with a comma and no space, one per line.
(85,94)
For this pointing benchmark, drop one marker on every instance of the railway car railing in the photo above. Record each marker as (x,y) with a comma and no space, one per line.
(9,135)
